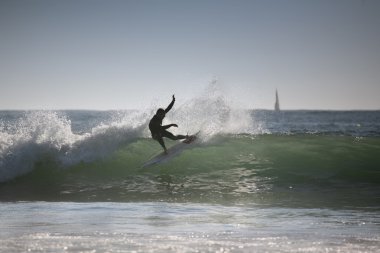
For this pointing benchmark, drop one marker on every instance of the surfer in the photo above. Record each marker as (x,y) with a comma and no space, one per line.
(159,131)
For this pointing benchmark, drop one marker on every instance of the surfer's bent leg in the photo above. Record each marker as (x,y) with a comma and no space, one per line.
(160,140)
(172,136)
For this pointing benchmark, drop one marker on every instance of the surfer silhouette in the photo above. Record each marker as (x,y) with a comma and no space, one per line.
(159,131)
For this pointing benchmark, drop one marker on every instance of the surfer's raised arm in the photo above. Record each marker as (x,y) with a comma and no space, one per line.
(170,105)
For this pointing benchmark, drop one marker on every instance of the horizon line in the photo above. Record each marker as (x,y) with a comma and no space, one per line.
(134,109)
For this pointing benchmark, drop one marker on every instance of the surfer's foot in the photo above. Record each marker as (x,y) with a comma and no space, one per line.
(189,139)
(165,152)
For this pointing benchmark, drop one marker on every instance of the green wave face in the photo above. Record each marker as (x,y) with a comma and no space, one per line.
(304,170)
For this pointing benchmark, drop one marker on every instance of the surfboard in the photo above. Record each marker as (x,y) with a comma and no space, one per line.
(172,151)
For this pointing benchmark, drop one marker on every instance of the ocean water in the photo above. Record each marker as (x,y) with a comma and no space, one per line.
(257,181)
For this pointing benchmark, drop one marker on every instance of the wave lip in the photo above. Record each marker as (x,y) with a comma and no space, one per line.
(35,135)
(45,135)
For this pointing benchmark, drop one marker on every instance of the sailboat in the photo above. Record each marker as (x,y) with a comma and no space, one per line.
(277,104)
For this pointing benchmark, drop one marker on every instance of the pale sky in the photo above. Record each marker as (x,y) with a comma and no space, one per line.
(92,54)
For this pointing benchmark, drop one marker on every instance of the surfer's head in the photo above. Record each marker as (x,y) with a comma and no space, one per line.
(160,113)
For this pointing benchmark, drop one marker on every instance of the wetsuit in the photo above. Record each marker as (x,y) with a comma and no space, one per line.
(159,131)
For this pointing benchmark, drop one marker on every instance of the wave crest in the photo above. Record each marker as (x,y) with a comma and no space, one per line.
(40,134)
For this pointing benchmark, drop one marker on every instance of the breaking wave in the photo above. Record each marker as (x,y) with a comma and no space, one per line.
(39,135)
(308,158)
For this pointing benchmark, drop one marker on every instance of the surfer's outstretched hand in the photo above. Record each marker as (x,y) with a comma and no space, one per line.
(174,125)
(173,97)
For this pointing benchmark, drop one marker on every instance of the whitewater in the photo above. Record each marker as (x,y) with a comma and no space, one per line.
(258,181)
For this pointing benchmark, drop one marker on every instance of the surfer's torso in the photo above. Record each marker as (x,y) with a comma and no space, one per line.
(155,126)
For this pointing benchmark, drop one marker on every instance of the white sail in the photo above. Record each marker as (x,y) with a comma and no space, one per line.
(277,104)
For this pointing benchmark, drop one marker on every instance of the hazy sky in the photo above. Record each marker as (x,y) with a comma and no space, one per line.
(91,54)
